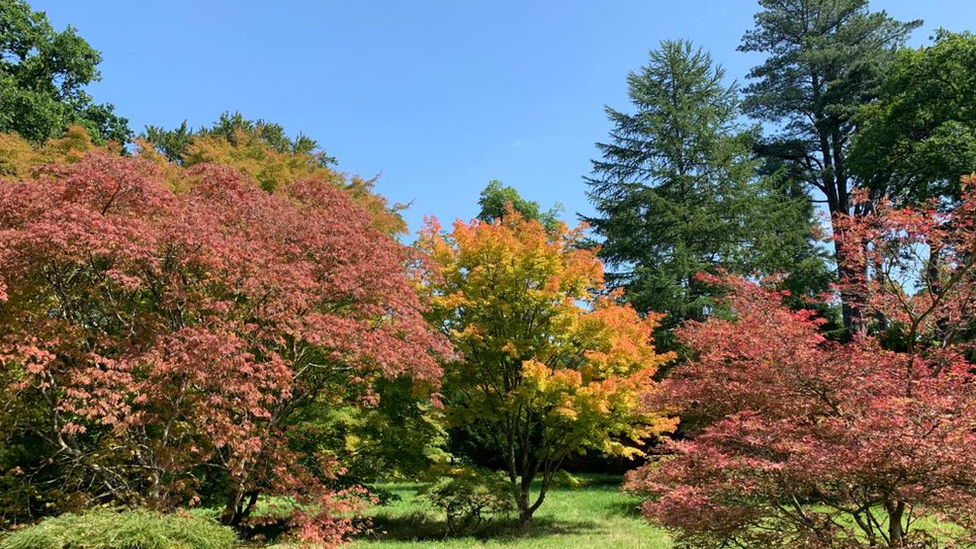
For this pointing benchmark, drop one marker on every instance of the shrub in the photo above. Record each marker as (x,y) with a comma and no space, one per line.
(136,529)
(470,497)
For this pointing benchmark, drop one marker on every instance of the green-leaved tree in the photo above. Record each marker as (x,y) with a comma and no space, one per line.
(43,74)
(825,58)
(919,137)
(496,198)
(677,191)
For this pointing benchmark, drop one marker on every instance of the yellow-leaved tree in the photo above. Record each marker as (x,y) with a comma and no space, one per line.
(18,156)
(263,151)
(550,366)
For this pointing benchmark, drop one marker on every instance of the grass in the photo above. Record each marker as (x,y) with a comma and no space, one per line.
(596,515)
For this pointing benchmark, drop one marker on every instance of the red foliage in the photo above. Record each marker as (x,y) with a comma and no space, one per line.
(800,441)
(166,337)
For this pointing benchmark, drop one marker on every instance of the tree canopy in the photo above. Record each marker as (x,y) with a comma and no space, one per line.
(549,367)
(43,74)
(677,191)
(496,199)
(919,137)
(804,442)
(825,58)
(264,152)
(156,345)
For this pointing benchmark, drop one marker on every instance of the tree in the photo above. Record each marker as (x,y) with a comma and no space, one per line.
(798,441)
(826,58)
(237,130)
(264,152)
(496,198)
(550,368)
(159,346)
(677,194)
(919,137)
(43,74)
(18,157)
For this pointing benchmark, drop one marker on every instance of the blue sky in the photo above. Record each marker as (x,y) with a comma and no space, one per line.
(436,97)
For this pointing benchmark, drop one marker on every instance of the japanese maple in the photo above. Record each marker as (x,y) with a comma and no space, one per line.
(551,367)
(800,441)
(159,343)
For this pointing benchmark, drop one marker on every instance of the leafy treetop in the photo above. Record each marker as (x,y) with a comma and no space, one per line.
(495,200)
(551,367)
(43,74)
(158,344)
(263,151)
(919,138)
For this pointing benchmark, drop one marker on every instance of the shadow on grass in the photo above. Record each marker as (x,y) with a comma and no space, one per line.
(419,527)
(626,509)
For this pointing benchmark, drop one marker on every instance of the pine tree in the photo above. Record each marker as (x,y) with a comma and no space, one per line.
(825,58)
(677,191)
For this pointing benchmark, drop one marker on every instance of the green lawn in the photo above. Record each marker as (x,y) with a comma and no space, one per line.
(596,515)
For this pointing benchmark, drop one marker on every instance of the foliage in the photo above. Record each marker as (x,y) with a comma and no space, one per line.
(159,344)
(18,157)
(393,434)
(676,191)
(469,497)
(805,442)
(825,59)
(920,136)
(236,130)
(550,367)
(495,200)
(108,529)
(43,74)
(264,152)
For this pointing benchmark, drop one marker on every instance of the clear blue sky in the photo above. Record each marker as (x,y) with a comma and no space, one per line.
(437,97)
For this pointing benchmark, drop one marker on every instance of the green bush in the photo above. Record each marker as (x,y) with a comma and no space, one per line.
(470,497)
(137,529)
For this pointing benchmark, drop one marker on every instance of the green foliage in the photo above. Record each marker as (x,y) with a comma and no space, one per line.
(677,194)
(920,136)
(825,58)
(395,437)
(469,497)
(496,198)
(43,74)
(135,529)
(236,130)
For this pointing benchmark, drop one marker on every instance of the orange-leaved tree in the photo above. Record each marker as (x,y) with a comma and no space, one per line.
(551,365)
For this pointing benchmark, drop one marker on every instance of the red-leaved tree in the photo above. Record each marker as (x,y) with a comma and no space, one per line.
(799,441)
(159,343)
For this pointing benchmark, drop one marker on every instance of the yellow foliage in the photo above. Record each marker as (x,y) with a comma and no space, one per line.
(18,156)
(272,169)
(543,346)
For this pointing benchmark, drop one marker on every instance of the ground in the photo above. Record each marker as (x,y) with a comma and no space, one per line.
(596,515)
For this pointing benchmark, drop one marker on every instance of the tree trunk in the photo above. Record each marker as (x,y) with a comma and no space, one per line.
(896,535)
(849,299)
(230,515)
(235,508)
(526,509)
